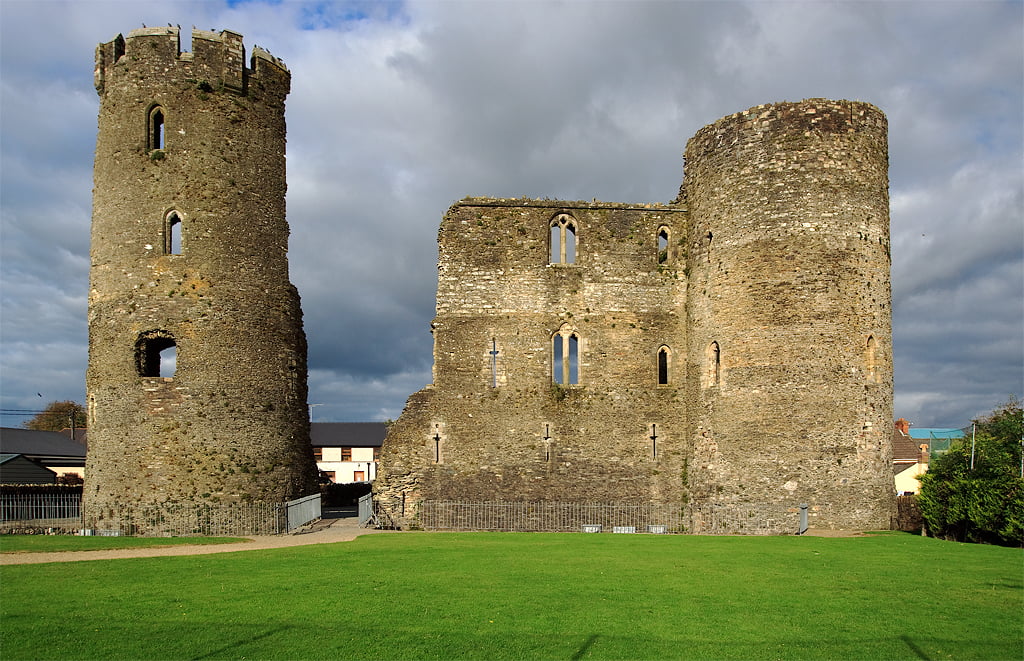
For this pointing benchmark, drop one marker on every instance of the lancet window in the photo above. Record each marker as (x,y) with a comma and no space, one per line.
(664,364)
(714,365)
(664,249)
(871,359)
(155,134)
(172,233)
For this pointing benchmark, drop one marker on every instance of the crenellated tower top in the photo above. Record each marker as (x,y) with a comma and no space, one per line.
(217,58)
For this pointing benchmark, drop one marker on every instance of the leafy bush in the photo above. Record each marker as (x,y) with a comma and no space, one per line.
(984,503)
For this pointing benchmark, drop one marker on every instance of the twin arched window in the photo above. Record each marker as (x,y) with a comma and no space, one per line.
(563,239)
(565,357)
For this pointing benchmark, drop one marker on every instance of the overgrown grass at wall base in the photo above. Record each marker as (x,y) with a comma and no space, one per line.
(530,596)
(57,543)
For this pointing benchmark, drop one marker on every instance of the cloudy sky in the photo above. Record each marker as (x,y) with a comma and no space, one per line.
(399,109)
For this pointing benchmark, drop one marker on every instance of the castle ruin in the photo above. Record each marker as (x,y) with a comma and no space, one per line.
(196,383)
(728,354)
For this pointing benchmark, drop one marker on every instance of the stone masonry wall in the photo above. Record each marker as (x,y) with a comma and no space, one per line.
(766,284)
(496,428)
(789,256)
(193,144)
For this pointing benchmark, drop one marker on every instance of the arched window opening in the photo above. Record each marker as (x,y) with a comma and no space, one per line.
(663,245)
(565,362)
(156,135)
(664,359)
(714,364)
(871,359)
(172,234)
(156,354)
(563,239)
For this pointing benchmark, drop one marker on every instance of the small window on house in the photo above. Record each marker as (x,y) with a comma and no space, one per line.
(156,354)
(359,476)
(346,454)
(376,454)
(318,454)
(331,475)
(565,362)
(563,239)
(156,135)
(664,359)
(172,234)
(663,245)
(714,364)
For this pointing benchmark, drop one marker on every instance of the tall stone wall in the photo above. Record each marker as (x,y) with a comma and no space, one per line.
(734,349)
(189,248)
(494,426)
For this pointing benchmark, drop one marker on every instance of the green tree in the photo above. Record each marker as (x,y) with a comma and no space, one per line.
(57,416)
(979,496)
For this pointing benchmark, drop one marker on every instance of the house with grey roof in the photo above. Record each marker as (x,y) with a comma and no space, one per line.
(347,452)
(50,449)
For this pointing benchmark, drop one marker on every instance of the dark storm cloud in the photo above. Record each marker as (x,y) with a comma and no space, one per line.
(398,110)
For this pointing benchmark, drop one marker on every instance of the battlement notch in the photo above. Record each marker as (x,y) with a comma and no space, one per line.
(216,57)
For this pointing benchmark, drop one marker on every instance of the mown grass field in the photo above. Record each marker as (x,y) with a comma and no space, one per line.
(530,596)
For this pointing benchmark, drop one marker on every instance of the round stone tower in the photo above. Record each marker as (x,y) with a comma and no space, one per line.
(789,365)
(197,358)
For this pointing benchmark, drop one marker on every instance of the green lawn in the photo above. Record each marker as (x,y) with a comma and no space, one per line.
(51,543)
(529,596)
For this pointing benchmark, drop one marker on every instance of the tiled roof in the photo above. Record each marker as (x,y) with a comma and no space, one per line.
(905,448)
(347,434)
(39,444)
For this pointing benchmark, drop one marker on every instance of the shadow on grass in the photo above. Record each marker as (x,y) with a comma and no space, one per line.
(238,643)
(918,652)
(581,652)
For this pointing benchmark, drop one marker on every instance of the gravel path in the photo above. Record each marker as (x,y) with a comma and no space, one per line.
(326,531)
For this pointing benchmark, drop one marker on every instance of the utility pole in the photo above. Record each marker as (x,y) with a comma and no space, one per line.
(974,432)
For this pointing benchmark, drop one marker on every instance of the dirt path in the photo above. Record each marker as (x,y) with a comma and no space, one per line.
(326,531)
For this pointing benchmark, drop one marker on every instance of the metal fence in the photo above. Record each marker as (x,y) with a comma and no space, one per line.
(743,519)
(41,509)
(189,519)
(303,510)
(552,516)
(365,508)
(63,513)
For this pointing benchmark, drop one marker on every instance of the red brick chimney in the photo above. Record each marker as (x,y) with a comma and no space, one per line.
(903,426)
